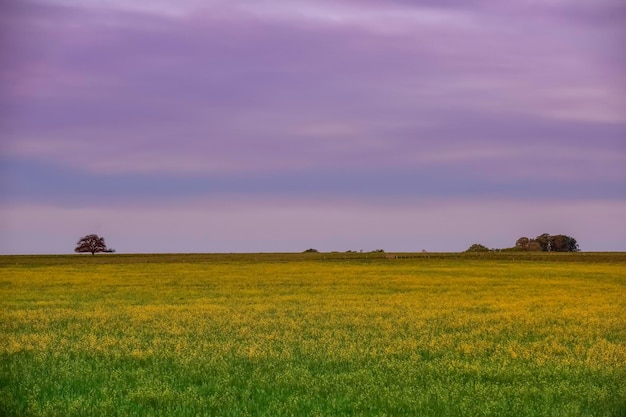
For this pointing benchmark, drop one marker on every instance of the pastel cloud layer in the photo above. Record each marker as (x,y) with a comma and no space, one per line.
(371,106)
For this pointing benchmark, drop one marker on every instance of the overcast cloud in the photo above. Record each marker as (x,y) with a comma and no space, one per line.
(412,123)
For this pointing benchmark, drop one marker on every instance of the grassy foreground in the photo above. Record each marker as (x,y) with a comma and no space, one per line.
(313,335)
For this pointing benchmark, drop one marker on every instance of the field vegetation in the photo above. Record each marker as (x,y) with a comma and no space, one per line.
(313,334)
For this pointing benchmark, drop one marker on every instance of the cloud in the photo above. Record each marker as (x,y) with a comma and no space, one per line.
(202,93)
(345,113)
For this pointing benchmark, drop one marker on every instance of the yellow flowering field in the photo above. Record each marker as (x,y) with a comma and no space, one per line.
(313,335)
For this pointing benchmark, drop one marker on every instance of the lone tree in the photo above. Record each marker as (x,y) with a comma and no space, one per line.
(92,244)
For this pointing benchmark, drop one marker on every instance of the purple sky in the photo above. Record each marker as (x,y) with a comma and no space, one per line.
(267,125)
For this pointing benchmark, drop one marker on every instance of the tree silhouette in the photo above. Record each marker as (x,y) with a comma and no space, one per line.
(548,243)
(91,244)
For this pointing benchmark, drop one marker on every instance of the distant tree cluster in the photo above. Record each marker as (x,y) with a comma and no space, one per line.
(548,243)
(542,243)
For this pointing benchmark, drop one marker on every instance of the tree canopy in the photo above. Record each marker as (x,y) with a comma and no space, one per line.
(91,244)
(548,243)
(542,243)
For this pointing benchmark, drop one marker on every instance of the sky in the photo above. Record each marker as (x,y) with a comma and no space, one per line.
(278,126)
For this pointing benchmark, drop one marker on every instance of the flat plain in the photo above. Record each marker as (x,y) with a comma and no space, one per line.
(497,334)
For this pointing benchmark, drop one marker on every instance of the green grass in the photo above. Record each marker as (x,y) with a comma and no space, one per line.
(496,334)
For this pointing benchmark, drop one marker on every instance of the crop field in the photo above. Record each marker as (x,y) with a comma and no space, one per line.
(313,335)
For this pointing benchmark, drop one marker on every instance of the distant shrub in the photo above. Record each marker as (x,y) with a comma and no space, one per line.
(311,250)
(477,247)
